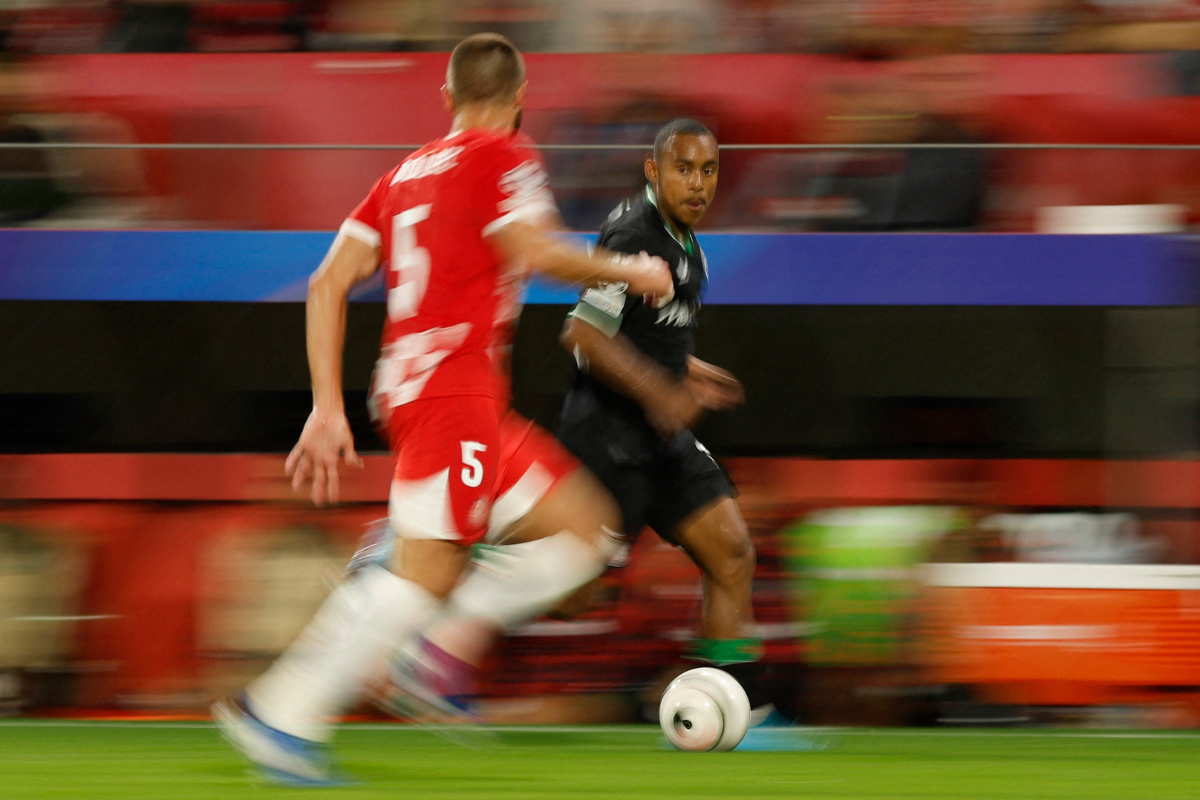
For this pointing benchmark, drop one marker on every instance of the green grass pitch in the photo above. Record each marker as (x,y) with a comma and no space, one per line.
(133,761)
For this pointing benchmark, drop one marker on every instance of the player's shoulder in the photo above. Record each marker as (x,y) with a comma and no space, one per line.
(473,149)
(434,158)
(630,220)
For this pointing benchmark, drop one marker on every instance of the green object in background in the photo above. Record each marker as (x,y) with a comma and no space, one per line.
(854,578)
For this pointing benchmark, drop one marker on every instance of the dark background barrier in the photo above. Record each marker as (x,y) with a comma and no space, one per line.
(832,380)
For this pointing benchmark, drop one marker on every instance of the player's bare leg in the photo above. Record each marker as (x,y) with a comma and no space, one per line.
(717,540)
(433,564)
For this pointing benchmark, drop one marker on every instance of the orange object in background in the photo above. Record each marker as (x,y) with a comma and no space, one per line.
(1062,634)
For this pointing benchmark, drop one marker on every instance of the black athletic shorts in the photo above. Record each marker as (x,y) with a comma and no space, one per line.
(655,482)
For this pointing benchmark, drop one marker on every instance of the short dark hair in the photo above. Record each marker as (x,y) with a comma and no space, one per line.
(484,68)
(678,127)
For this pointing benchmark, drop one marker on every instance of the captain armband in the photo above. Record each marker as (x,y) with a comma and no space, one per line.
(602,307)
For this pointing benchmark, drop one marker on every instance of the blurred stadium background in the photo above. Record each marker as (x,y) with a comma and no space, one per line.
(969,451)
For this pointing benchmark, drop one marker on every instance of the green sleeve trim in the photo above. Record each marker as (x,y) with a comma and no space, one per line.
(720,652)
(585,312)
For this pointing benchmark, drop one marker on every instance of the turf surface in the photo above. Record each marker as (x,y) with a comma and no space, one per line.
(148,760)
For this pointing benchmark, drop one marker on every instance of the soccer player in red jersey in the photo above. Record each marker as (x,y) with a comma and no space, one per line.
(458,223)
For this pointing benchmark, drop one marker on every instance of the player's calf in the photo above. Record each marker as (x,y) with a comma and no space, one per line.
(717,540)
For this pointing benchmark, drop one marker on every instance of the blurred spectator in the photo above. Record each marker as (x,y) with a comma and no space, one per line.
(362,25)
(50,185)
(874,28)
(44,27)
(1131,25)
(529,23)
(28,190)
(1020,25)
(911,27)
(772,26)
(863,28)
(873,190)
(1185,69)
(150,26)
(246,25)
(647,26)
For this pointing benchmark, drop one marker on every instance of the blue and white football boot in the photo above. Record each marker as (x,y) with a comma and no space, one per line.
(281,758)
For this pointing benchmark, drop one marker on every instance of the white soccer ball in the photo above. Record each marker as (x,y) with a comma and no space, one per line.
(704,709)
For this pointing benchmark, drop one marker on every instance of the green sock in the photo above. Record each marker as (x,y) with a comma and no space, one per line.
(723,652)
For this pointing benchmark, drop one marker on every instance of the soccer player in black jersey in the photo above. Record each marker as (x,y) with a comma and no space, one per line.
(638,391)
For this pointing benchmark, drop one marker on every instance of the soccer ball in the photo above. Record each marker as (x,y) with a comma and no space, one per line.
(704,709)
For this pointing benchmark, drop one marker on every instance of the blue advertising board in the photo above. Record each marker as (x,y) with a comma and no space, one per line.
(745,268)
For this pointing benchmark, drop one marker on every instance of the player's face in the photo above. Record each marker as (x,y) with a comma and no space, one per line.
(685,180)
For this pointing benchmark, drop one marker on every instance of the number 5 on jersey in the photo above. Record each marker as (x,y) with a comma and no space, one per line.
(411,263)
(472,472)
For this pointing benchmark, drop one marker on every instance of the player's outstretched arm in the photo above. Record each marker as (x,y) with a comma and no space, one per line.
(535,245)
(326,437)
(669,403)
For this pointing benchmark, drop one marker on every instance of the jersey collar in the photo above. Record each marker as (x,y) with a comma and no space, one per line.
(688,243)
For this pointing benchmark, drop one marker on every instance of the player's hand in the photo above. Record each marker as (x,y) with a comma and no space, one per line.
(325,440)
(650,277)
(672,409)
(714,388)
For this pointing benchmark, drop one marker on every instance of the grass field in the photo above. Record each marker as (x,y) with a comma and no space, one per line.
(188,760)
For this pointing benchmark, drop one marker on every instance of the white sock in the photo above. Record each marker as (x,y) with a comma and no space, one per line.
(322,673)
(513,583)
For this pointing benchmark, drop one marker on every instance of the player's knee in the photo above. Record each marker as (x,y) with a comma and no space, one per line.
(434,565)
(740,555)
(730,557)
